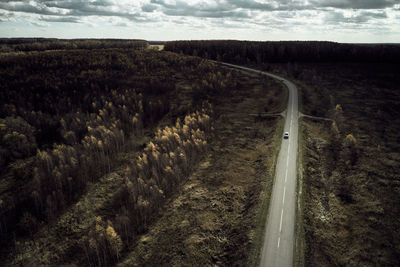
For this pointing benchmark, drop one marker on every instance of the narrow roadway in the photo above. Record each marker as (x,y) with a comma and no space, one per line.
(279,239)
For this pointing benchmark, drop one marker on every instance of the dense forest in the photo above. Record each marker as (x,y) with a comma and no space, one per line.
(245,52)
(8,45)
(66,117)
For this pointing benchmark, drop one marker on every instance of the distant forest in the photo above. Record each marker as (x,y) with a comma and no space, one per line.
(42,44)
(243,52)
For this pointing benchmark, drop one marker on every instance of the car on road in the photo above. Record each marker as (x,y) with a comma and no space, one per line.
(286,135)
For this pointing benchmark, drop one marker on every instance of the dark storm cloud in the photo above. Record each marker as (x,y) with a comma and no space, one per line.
(251,5)
(27,7)
(75,10)
(375,15)
(277,5)
(149,8)
(70,9)
(185,8)
(217,10)
(4,17)
(355,4)
(62,8)
(361,18)
(228,8)
(85,8)
(79,6)
(208,14)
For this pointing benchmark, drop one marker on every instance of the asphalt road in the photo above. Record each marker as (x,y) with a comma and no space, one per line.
(279,238)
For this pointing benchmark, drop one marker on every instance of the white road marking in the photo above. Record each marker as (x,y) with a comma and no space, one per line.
(292,97)
(288,153)
(287,168)
(286,175)
(287,162)
(284,192)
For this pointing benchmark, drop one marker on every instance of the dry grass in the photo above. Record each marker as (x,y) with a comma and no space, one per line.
(214,219)
(46,248)
(156,47)
(350,207)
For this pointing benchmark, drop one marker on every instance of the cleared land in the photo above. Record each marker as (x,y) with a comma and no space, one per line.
(219,214)
(156,47)
(349,161)
(215,216)
(351,189)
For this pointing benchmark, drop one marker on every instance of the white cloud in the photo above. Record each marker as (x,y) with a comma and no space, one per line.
(203,19)
(39,24)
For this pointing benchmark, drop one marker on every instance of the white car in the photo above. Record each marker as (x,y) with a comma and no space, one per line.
(286,135)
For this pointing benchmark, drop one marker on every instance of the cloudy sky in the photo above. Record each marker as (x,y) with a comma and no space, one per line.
(333,20)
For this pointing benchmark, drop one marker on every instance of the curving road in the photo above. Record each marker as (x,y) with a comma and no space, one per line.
(279,238)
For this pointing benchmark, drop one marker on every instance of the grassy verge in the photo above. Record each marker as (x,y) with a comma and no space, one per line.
(299,231)
(265,197)
(285,97)
(279,98)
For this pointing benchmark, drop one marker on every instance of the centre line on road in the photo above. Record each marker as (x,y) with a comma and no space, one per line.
(287,163)
(284,192)
(286,175)
(292,90)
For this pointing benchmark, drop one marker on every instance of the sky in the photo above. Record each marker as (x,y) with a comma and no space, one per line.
(348,21)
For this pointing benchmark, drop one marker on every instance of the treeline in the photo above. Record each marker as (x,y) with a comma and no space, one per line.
(245,52)
(42,44)
(64,115)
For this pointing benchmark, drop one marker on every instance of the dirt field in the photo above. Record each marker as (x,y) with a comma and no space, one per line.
(156,47)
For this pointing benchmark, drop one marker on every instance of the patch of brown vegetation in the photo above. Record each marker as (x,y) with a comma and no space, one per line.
(212,220)
(351,187)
